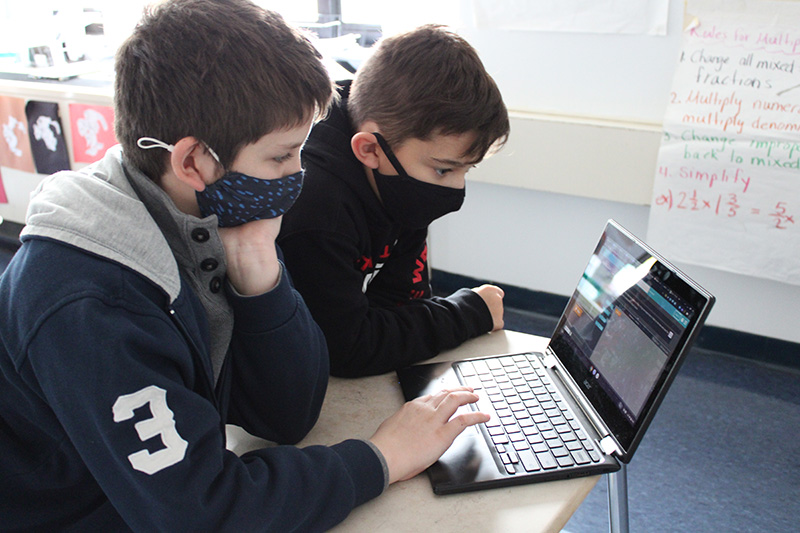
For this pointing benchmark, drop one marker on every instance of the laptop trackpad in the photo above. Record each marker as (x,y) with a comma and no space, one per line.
(468,460)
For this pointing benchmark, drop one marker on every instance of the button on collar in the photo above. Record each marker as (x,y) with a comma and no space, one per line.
(200,235)
(209,264)
(215,285)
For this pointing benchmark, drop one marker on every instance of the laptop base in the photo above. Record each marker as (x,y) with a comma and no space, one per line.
(470,464)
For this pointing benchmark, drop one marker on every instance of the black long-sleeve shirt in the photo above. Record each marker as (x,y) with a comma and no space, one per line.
(365,278)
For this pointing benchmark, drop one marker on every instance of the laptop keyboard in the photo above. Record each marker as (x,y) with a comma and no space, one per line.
(532,427)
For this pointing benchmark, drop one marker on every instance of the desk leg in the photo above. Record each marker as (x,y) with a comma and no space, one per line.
(618,500)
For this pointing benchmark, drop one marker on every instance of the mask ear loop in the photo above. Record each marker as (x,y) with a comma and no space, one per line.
(214,154)
(147,143)
(389,154)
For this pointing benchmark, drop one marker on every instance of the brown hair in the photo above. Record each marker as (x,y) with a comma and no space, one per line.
(224,71)
(429,81)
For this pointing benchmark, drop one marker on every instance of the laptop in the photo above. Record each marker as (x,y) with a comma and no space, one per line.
(582,406)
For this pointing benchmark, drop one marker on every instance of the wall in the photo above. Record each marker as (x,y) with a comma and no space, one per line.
(541,241)
(585,136)
(601,159)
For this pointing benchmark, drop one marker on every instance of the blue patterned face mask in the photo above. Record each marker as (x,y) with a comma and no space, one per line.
(237,198)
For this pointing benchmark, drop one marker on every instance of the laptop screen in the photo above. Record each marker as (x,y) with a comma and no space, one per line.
(622,334)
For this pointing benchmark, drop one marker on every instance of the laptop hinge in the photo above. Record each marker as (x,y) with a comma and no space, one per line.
(609,446)
(607,442)
(549,360)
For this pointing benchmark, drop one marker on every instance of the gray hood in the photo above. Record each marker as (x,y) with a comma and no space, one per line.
(119,226)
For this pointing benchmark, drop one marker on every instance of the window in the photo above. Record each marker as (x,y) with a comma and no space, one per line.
(94,29)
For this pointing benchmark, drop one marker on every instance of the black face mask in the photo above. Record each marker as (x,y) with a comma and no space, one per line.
(409,201)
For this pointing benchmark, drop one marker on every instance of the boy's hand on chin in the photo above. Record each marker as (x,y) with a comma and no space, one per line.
(251,257)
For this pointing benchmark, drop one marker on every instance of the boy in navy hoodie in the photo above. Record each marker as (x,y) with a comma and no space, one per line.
(148,306)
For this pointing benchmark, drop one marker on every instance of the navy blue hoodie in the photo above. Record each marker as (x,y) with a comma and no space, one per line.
(112,404)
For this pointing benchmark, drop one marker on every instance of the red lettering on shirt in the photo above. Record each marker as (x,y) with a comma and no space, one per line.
(417,277)
(418,272)
(366,262)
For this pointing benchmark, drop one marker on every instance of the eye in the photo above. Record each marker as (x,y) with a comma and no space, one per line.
(283,158)
(441,172)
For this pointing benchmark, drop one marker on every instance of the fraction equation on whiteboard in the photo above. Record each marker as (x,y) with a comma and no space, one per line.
(725,205)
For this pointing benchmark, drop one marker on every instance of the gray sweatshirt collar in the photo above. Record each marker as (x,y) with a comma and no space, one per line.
(58,210)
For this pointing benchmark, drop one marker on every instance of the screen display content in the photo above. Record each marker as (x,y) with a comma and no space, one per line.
(620,326)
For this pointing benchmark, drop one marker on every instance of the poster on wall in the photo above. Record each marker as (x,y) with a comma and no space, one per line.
(3,197)
(727,187)
(92,128)
(46,137)
(15,148)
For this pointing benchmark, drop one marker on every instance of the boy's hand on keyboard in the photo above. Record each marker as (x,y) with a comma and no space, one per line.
(423,429)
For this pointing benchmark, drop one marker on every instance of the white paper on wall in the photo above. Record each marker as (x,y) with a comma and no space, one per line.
(727,186)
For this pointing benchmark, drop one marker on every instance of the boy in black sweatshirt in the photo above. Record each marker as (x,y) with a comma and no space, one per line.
(390,158)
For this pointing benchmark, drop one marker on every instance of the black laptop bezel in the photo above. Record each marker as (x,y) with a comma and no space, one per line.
(627,435)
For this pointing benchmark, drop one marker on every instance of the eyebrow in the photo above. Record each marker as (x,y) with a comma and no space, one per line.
(291,146)
(454,162)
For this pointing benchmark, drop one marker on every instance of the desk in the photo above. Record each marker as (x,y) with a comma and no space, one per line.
(354,408)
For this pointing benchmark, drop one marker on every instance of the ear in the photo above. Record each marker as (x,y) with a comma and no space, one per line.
(193,164)
(365,147)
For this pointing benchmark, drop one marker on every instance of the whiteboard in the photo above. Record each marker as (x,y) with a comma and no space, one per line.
(560,64)
(611,76)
